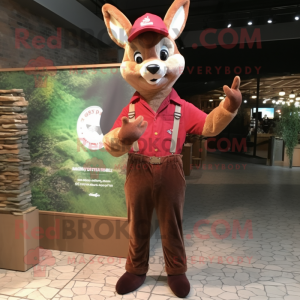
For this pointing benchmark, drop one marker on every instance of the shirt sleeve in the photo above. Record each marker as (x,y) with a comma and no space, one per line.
(194,119)
(118,122)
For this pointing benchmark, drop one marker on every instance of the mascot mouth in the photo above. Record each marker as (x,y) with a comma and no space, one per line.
(154,80)
(159,74)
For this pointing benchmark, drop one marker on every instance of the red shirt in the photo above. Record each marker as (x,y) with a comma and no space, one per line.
(156,140)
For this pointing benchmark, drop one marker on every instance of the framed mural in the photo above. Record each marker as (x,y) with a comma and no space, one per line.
(70,109)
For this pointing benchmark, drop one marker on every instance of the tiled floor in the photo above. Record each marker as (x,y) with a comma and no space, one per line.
(262,264)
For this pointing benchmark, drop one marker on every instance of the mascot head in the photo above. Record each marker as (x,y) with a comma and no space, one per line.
(151,60)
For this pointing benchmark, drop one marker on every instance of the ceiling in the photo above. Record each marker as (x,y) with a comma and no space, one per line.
(208,13)
(269,88)
(276,58)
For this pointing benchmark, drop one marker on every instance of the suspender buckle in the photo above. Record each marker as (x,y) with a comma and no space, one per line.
(177,115)
(131,115)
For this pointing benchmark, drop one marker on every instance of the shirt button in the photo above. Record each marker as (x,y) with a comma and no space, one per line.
(156,133)
(156,150)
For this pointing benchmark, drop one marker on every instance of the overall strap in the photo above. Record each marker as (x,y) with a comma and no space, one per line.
(177,116)
(131,116)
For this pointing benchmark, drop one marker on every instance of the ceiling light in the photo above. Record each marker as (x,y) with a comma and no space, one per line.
(250,23)
(211,100)
(229,25)
(282,93)
(298,98)
(297,18)
(221,97)
(270,21)
(264,102)
(292,94)
(253,96)
(273,101)
(245,101)
(283,102)
(291,100)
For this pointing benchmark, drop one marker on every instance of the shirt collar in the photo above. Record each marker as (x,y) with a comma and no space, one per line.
(175,97)
(135,97)
(172,96)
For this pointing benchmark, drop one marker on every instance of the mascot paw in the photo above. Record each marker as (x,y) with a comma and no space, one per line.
(179,285)
(132,131)
(129,283)
(233,98)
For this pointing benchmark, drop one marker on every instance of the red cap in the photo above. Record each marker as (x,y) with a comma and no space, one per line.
(148,22)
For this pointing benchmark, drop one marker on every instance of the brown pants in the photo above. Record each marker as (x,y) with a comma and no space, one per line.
(162,187)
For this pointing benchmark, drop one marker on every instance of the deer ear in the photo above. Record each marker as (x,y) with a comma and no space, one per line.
(176,17)
(117,24)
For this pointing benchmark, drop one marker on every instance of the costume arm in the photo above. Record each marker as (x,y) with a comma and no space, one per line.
(111,140)
(113,145)
(124,133)
(217,120)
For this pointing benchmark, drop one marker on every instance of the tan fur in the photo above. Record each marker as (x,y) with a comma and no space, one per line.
(145,43)
(113,145)
(172,11)
(149,44)
(217,120)
(111,13)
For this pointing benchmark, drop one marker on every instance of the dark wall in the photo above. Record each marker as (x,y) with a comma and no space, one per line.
(73,48)
(273,58)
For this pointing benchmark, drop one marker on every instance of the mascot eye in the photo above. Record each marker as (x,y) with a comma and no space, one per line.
(138,57)
(164,54)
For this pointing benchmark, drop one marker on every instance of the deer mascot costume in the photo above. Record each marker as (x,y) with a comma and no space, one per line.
(152,130)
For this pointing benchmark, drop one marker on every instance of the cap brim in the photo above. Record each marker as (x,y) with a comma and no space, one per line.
(138,32)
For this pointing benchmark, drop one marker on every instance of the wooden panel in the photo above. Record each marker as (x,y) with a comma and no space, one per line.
(187,158)
(296,158)
(15,241)
(97,235)
(64,67)
(203,150)
(196,148)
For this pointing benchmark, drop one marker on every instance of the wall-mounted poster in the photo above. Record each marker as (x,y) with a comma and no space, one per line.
(69,112)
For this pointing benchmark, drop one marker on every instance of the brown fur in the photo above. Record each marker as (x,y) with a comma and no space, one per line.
(113,144)
(148,44)
(145,43)
(173,9)
(144,190)
(111,13)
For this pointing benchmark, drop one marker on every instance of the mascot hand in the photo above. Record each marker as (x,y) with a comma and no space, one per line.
(132,131)
(233,98)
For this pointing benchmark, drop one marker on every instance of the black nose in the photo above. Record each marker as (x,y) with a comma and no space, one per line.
(153,68)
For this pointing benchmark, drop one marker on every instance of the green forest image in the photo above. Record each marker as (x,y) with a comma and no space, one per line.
(61,177)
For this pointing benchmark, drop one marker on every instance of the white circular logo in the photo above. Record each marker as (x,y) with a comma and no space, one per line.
(88,128)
